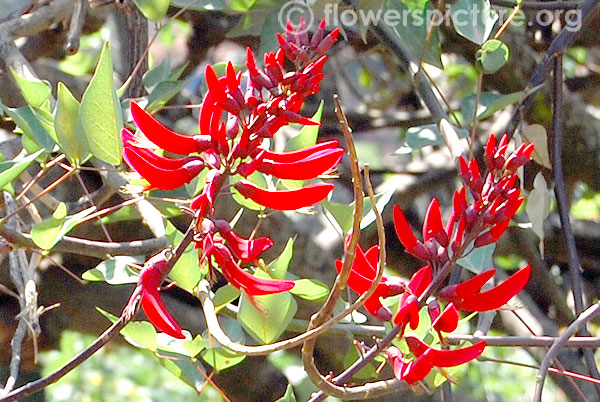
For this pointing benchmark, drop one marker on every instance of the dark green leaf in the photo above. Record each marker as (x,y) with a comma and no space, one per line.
(31,127)
(412,31)
(308,135)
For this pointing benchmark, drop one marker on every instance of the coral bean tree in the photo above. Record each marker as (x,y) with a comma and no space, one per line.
(243,111)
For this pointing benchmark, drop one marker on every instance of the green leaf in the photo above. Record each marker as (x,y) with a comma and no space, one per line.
(72,143)
(412,31)
(162,93)
(50,231)
(10,170)
(186,271)
(223,295)
(277,312)
(279,266)
(479,259)
(31,126)
(288,396)
(473,19)
(114,271)
(130,212)
(492,56)
(425,135)
(310,289)
(100,115)
(35,92)
(138,333)
(219,357)
(308,135)
(489,103)
(153,9)
(187,347)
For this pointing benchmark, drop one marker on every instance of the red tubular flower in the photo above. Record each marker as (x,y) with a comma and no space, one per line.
(304,169)
(444,358)
(465,296)
(408,310)
(165,138)
(447,320)
(492,235)
(433,226)
(150,279)
(403,230)
(295,156)
(243,280)
(244,249)
(285,200)
(362,275)
(214,182)
(129,141)
(160,172)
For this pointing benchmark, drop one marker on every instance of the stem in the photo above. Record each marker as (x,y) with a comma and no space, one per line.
(563,207)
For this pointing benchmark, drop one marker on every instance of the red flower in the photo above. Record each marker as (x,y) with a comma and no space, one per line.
(408,310)
(427,358)
(465,295)
(150,279)
(285,200)
(244,249)
(242,280)
(161,173)
(362,275)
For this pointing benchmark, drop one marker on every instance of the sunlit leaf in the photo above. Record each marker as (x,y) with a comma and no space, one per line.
(50,231)
(66,113)
(115,271)
(100,115)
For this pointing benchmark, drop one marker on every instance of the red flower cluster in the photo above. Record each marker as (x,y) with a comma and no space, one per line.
(238,114)
(479,222)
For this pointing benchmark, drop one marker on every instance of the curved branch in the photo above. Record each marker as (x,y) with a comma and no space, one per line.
(39,20)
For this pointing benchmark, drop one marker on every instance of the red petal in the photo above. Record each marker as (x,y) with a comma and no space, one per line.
(158,314)
(447,321)
(403,230)
(474,284)
(433,220)
(285,200)
(305,169)
(417,370)
(499,295)
(456,357)
(241,279)
(160,135)
(244,249)
(420,280)
(295,156)
(164,179)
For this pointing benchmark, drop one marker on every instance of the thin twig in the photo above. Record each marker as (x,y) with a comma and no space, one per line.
(571,330)
(563,206)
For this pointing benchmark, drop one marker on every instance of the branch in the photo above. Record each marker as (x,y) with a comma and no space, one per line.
(571,330)
(563,207)
(92,248)
(563,40)
(39,20)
